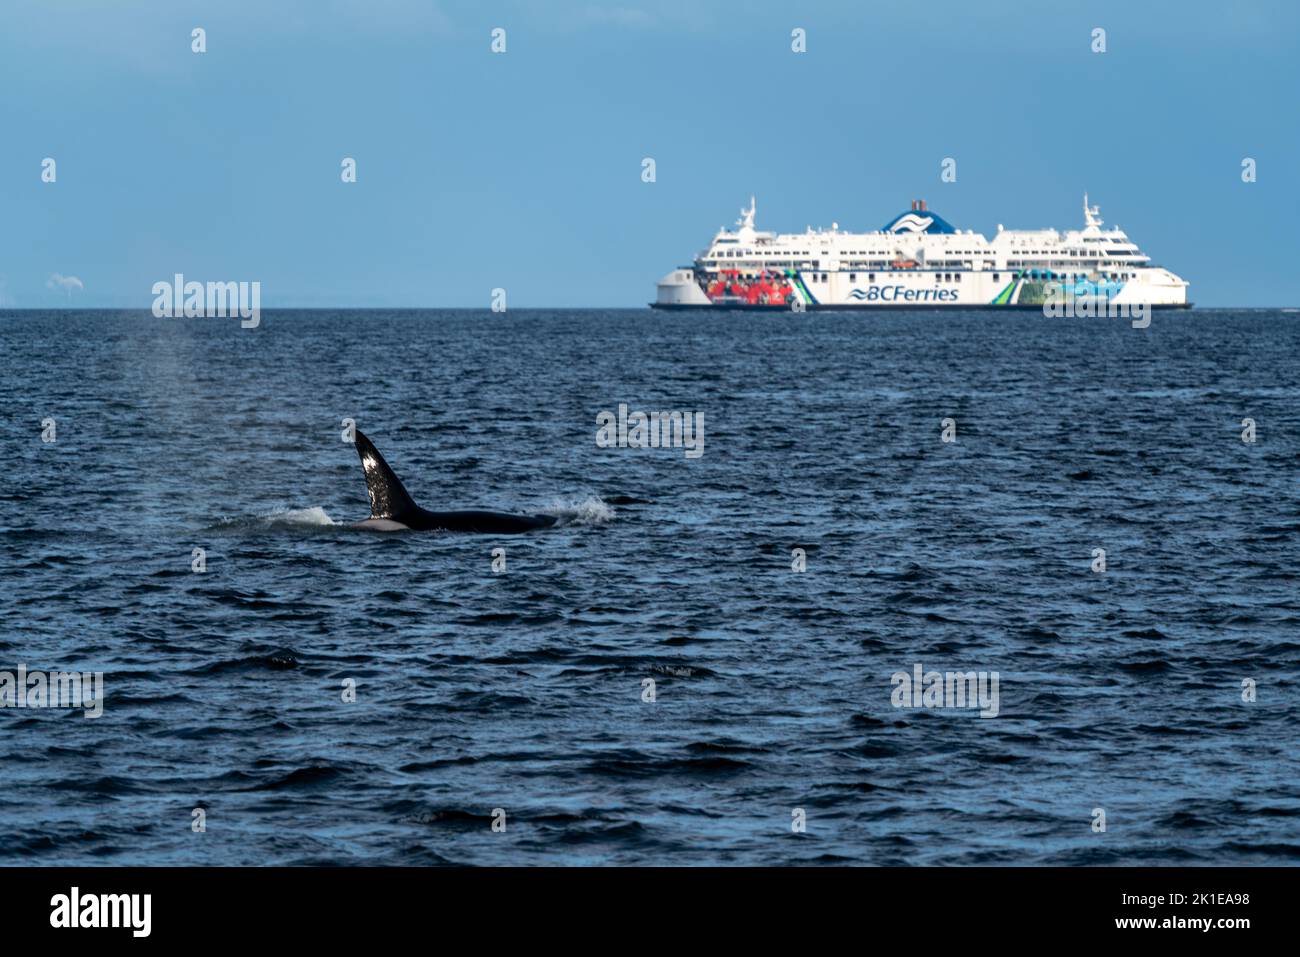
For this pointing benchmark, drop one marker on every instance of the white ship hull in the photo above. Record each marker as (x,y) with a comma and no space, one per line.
(682,289)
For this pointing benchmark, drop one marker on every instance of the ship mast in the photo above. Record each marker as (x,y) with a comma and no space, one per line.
(1091,214)
(746,220)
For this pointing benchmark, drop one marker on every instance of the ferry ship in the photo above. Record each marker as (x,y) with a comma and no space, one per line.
(918,260)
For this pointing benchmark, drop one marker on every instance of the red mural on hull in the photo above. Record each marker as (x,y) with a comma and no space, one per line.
(766,289)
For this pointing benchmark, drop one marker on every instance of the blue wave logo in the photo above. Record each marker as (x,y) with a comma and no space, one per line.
(912,223)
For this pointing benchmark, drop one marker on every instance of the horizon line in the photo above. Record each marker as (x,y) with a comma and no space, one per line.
(646,307)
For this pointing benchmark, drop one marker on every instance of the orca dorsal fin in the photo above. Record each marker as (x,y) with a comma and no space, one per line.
(388,499)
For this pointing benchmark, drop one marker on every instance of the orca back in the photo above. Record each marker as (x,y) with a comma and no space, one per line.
(392,508)
(486,523)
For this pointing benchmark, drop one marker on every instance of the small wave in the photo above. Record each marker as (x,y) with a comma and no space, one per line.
(281,660)
(311,776)
(282,519)
(588,511)
(299,516)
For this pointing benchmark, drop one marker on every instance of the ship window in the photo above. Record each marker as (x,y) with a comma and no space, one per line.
(871,277)
(853,277)
(957,277)
(995,277)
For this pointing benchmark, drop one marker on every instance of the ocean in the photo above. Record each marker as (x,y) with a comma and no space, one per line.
(702,662)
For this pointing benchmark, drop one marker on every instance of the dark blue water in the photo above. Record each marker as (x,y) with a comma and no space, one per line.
(523,690)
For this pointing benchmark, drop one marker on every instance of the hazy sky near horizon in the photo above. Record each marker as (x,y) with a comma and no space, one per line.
(523,170)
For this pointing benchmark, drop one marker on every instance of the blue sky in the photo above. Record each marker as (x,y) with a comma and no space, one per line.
(523,170)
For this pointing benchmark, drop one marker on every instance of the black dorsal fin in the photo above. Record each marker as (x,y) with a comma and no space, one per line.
(388,499)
